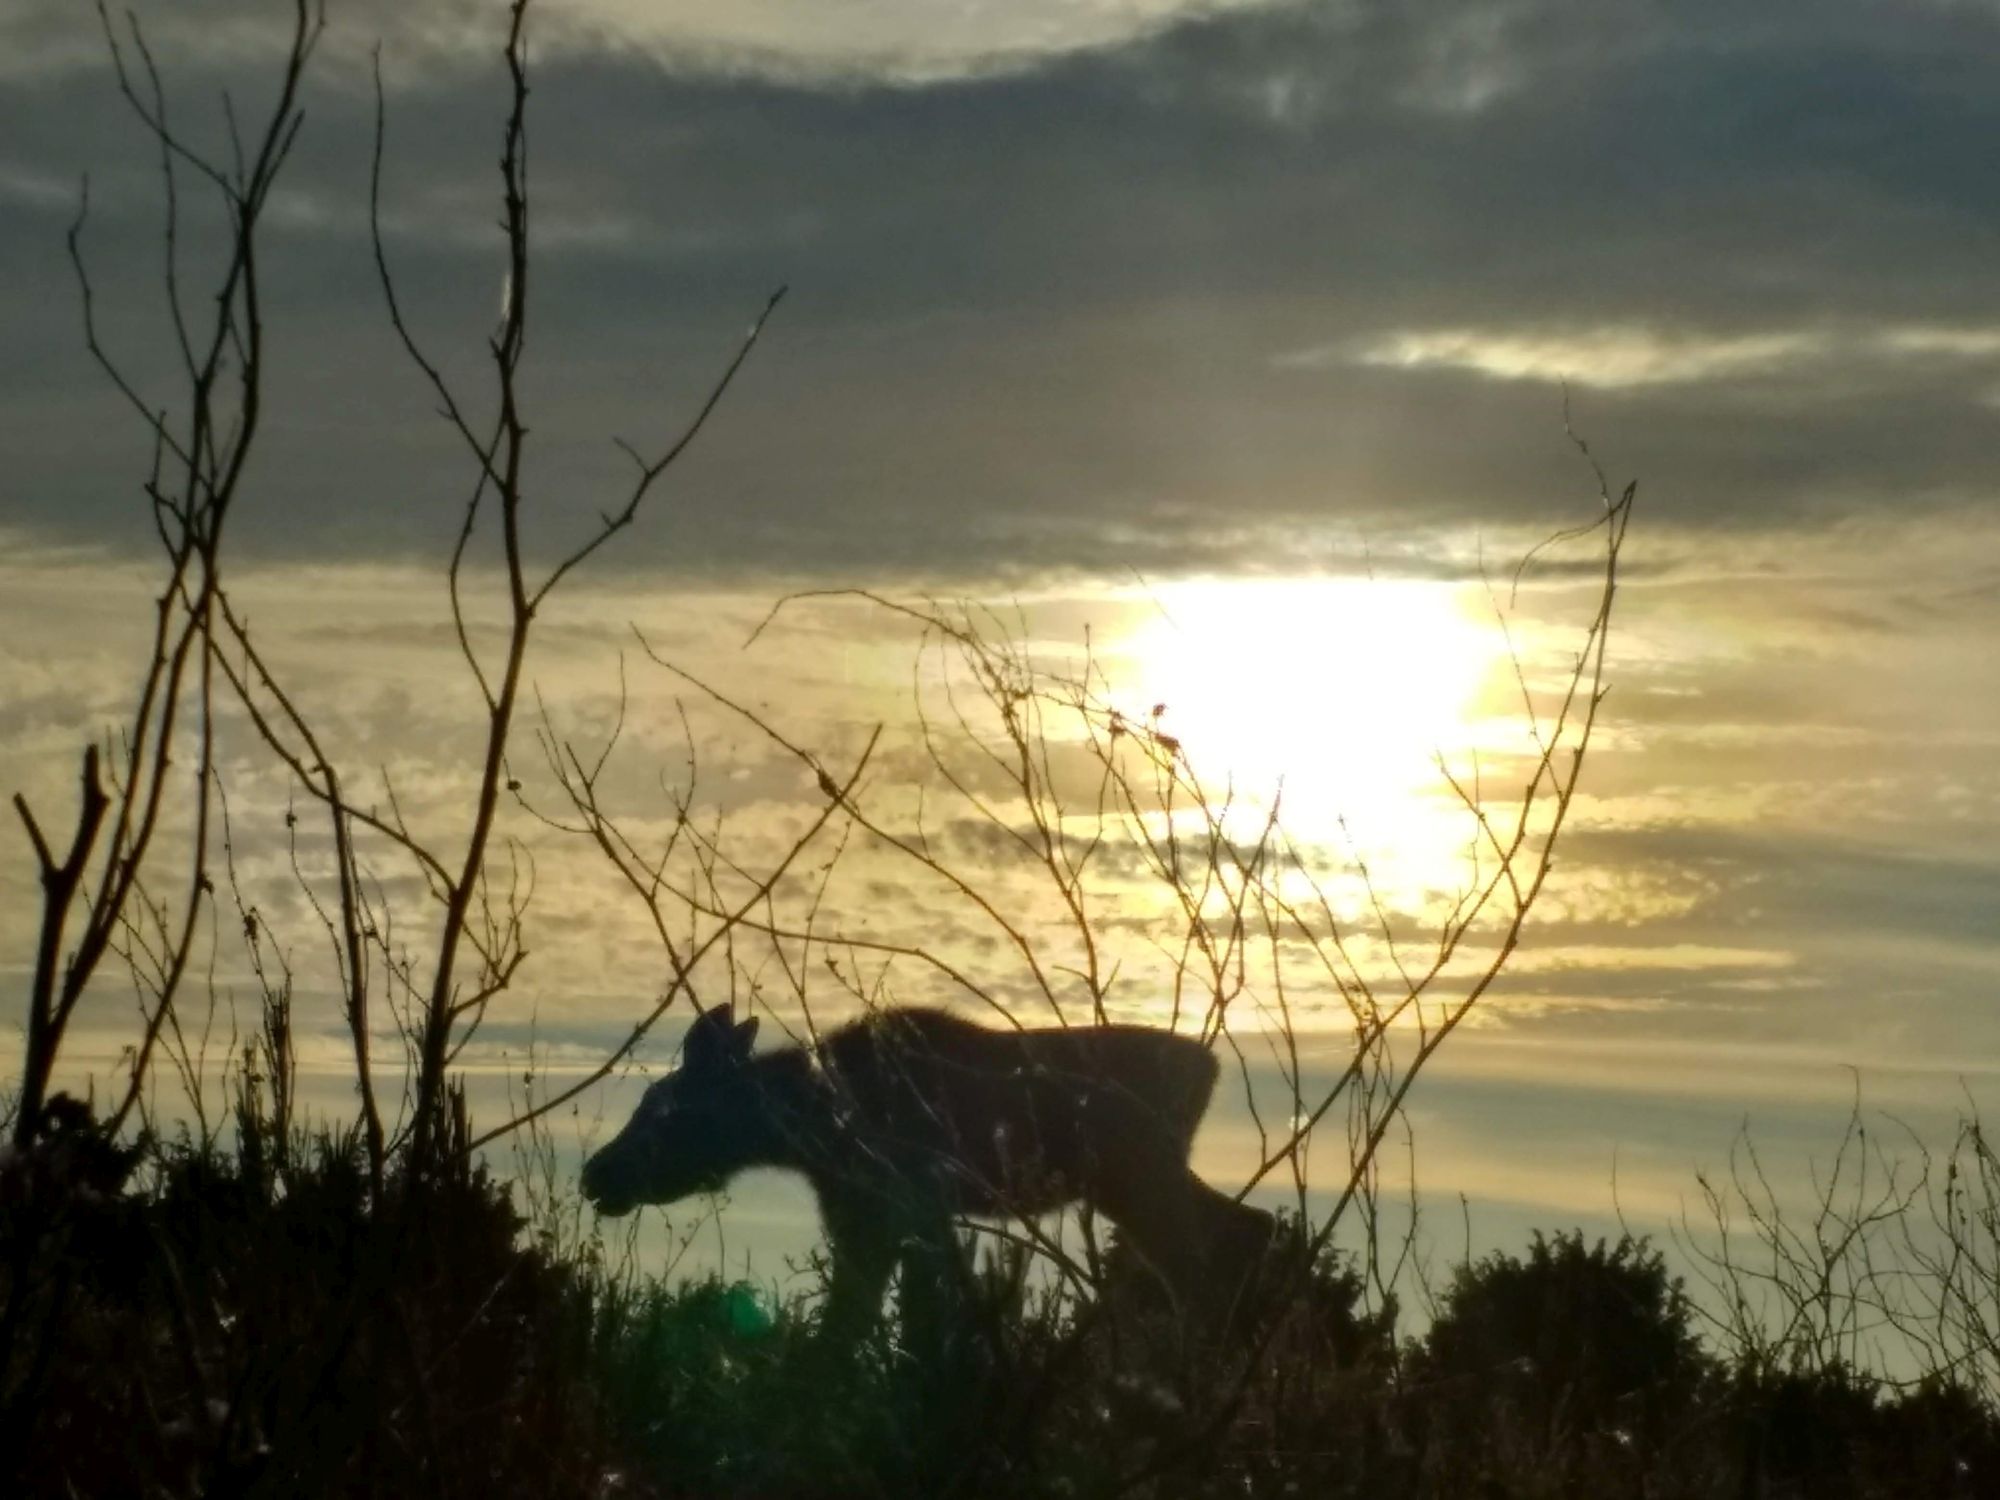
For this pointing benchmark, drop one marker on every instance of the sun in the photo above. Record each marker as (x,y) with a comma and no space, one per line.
(1342,692)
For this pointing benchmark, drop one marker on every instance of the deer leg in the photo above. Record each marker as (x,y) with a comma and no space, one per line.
(1139,1177)
(1237,1243)
(932,1290)
(863,1256)
(1204,1244)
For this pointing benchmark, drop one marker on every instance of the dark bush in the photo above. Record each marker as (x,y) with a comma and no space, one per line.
(217,1332)
(1572,1370)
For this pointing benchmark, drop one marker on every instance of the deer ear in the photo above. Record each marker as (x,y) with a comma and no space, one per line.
(746,1035)
(710,1039)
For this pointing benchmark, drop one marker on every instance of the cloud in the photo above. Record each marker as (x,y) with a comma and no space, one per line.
(1626,356)
(1612,357)
(1034,313)
(905,42)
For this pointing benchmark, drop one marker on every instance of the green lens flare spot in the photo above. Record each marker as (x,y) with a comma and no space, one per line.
(745,1310)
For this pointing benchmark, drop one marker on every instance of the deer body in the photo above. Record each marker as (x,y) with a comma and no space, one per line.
(909,1117)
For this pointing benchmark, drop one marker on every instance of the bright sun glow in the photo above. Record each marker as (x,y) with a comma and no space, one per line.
(1345,691)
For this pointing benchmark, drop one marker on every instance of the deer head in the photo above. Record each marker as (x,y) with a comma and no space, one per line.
(694,1128)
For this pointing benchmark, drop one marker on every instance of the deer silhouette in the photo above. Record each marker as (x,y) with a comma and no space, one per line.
(908,1117)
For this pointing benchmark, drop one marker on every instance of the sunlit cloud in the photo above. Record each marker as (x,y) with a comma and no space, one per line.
(1966,343)
(1662,956)
(907,41)
(1610,356)
(1620,356)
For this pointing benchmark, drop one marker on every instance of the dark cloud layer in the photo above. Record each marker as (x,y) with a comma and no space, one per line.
(1114,310)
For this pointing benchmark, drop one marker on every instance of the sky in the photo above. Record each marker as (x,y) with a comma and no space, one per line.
(1237,336)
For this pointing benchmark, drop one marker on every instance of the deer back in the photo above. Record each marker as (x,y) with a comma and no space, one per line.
(1015,1122)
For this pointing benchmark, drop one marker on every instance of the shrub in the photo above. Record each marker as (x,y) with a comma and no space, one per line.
(1575,1366)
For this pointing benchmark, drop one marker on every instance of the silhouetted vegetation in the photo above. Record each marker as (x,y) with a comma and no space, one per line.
(255,1321)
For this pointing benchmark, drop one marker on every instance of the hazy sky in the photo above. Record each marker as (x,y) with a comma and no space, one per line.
(1089,292)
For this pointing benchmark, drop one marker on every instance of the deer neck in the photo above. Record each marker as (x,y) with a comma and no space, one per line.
(794,1118)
